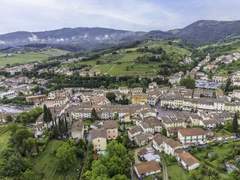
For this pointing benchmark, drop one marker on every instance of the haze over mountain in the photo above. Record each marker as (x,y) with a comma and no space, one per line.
(199,33)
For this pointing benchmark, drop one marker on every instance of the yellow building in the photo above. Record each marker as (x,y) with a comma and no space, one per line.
(140,98)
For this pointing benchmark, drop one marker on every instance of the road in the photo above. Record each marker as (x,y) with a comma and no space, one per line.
(164,168)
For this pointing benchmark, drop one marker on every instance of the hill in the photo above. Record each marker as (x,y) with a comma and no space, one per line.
(205,32)
(82,38)
(29,56)
(146,59)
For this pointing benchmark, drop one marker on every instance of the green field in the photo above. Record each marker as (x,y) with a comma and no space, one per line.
(176,172)
(124,62)
(45,163)
(28,57)
(4,138)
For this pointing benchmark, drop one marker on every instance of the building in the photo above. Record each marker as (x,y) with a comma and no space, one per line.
(77,130)
(139,98)
(134,131)
(192,136)
(188,161)
(147,168)
(143,139)
(111,128)
(98,138)
(166,145)
(36,100)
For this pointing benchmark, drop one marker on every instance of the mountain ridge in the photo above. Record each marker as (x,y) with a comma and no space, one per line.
(198,33)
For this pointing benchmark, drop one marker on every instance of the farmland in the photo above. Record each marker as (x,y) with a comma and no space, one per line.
(123,62)
(28,57)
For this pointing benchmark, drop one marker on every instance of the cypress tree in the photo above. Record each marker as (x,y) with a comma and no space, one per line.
(235,124)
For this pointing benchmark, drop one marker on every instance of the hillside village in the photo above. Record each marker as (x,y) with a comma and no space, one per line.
(164,123)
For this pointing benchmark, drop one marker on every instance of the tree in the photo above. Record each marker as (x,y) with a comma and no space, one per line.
(188,82)
(228,86)
(19,140)
(66,155)
(47,115)
(235,124)
(115,164)
(111,96)
(13,165)
(94,114)
(29,175)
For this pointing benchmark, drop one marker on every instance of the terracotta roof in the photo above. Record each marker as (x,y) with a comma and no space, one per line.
(172,142)
(135,129)
(192,132)
(110,124)
(147,167)
(97,133)
(187,158)
(77,126)
(158,138)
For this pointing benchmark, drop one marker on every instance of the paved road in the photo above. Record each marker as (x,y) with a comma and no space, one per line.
(164,168)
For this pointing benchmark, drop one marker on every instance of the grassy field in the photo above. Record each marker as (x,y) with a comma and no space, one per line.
(29,57)
(123,62)
(4,137)
(176,172)
(45,163)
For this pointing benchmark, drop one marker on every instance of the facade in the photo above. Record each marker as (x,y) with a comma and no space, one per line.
(192,136)
(98,138)
(188,161)
(111,128)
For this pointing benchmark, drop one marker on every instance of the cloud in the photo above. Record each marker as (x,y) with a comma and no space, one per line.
(35,15)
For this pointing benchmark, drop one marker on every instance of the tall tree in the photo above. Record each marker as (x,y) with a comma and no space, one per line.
(235,125)
(94,114)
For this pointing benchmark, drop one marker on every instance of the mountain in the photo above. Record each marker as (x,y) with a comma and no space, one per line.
(84,38)
(206,31)
(199,33)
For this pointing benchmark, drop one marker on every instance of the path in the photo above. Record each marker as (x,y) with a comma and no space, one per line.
(164,168)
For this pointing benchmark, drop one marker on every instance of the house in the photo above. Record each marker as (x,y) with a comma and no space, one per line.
(98,138)
(77,130)
(39,126)
(143,139)
(236,94)
(152,85)
(36,100)
(150,125)
(123,90)
(170,146)
(9,94)
(176,78)
(153,97)
(139,98)
(192,136)
(188,161)
(166,145)
(134,131)
(147,168)
(111,128)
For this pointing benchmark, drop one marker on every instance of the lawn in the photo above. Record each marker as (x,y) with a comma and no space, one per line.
(45,163)
(4,137)
(175,172)
(28,57)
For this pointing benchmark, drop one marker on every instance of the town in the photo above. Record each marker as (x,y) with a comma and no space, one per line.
(159,124)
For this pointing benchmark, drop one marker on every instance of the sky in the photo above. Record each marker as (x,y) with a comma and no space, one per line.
(136,15)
